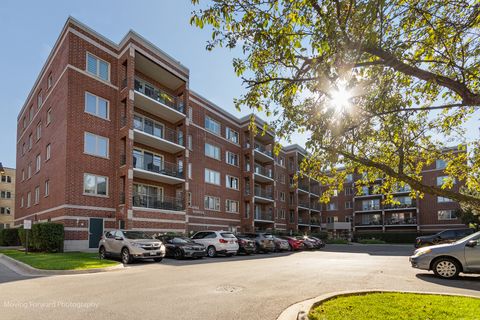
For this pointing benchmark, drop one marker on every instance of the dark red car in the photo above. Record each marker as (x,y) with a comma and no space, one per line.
(294,243)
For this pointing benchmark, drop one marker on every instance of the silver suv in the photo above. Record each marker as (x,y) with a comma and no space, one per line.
(130,245)
(448,260)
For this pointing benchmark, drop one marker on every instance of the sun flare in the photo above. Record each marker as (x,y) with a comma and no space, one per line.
(340,98)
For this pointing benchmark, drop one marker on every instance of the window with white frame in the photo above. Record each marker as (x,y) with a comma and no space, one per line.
(281,214)
(348,191)
(281,161)
(189,199)
(25,122)
(232,182)
(6,179)
(30,142)
(49,116)
(348,205)
(231,206)
(212,151)
(47,188)
(231,135)
(39,99)
(212,176)
(5,194)
(38,163)
(29,199)
(189,170)
(23,174)
(96,106)
(212,125)
(231,158)
(98,67)
(189,142)
(443,179)
(332,206)
(29,170)
(149,126)
(440,164)
(282,196)
(5,210)
(48,151)
(212,203)
(50,81)
(22,202)
(190,113)
(39,131)
(335,193)
(96,145)
(95,185)
(32,113)
(443,199)
(446,215)
(37,194)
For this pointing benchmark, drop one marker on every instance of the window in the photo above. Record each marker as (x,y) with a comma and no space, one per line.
(348,191)
(24,148)
(231,158)
(4,210)
(371,204)
(212,125)
(190,113)
(335,193)
(39,131)
(446,215)
(443,199)
(95,185)
(212,203)
(96,106)
(189,171)
(5,194)
(37,194)
(29,199)
(443,179)
(31,113)
(349,178)
(282,196)
(24,122)
(30,142)
(212,151)
(47,152)
(348,205)
(96,145)
(189,142)
(7,179)
(98,67)
(281,161)
(212,177)
(189,199)
(39,99)
(231,206)
(282,178)
(231,135)
(332,206)
(232,182)
(49,116)
(29,170)
(282,214)
(47,188)
(440,164)
(150,126)
(23,174)
(21,202)
(50,81)
(38,163)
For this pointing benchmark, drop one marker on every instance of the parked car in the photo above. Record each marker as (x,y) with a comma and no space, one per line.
(280,244)
(217,242)
(246,244)
(263,242)
(319,243)
(130,245)
(308,243)
(448,260)
(446,236)
(182,247)
(294,243)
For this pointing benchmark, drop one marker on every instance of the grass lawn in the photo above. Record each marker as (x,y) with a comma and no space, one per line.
(60,261)
(397,306)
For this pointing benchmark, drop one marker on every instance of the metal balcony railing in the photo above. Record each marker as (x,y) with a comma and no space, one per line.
(159,95)
(303,220)
(165,133)
(263,171)
(401,205)
(314,222)
(259,192)
(263,149)
(368,207)
(156,202)
(304,204)
(316,206)
(395,221)
(303,186)
(157,166)
(370,223)
(263,215)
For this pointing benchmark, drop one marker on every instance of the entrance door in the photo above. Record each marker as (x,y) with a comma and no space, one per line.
(95,232)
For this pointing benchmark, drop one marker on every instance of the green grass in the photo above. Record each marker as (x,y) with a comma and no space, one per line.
(371,241)
(336,241)
(60,261)
(397,306)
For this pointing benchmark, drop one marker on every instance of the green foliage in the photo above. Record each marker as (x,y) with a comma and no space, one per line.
(371,241)
(45,236)
(9,237)
(396,237)
(337,241)
(469,217)
(321,235)
(382,87)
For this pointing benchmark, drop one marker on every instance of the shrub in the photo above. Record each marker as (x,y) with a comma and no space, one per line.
(9,237)
(371,241)
(337,241)
(45,236)
(394,237)
(321,235)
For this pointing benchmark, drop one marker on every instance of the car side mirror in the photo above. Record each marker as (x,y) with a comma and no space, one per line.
(118,238)
(471,243)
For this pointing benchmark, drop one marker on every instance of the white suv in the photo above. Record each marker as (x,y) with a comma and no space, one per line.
(223,242)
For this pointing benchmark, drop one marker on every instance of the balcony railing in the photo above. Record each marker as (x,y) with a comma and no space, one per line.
(304,187)
(398,221)
(316,206)
(304,204)
(314,222)
(156,202)
(370,207)
(263,150)
(315,190)
(303,220)
(263,171)
(370,223)
(159,95)
(165,133)
(263,215)
(259,192)
(400,205)
(158,166)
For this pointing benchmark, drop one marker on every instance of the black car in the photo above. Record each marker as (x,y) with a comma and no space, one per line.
(246,245)
(445,236)
(180,247)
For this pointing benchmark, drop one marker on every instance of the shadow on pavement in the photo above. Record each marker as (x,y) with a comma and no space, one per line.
(471,282)
(374,250)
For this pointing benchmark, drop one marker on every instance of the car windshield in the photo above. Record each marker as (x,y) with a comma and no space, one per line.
(474,236)
(181,240)
(134,235)
(269,236)
(228,235)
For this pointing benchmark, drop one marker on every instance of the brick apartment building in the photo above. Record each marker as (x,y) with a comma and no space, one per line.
(111,136)
(7,196)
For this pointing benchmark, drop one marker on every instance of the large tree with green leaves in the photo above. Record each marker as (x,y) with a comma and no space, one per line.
(382,87)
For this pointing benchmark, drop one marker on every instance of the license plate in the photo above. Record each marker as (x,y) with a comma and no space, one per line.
(153,253)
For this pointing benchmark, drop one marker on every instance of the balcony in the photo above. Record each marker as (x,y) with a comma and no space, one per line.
(261,153)
(303,221)
(314,191)
(158,102)
(262,215)
(303,187)
(160,171)
(400,206)
(156,202)
(315,222)
(263,174)
(401,221)
(315,206)
(339,226)
(404,189)
(263,195)
(303,204)
(369,207)
(164,138)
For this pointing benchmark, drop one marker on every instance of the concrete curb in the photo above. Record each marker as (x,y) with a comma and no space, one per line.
(300,310)
(29,271)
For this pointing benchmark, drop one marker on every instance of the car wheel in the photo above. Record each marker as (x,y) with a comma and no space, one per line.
(211,252)
(178,254)
(102,253)
(157,259)
(446,268)
(290,248)
(126,257)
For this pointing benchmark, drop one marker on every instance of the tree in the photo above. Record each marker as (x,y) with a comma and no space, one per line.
(382,87)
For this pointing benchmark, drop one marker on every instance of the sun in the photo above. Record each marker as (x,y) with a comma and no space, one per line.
(340,97)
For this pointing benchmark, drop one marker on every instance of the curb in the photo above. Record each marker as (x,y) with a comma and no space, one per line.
(29,271)
(300,310)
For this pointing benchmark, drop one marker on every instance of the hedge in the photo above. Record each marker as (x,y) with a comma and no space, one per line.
(45,236)
(9,237)
(393,237)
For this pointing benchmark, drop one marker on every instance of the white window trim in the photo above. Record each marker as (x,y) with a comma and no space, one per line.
(227,157)
(98,66)
(93,154)
(450,219)
(96,106)
(95,194)
(219,180)
(37,195)
(226,135)
(38,163)
(227,182)
(226,206)
(216,198)
(48,152)
(214,146)
(219,134)
(47,188)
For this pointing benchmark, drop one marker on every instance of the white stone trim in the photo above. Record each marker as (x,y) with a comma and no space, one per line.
(158,220)
(68,206)
(213,218)
(182,213)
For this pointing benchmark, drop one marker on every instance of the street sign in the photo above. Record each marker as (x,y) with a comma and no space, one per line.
(27,224)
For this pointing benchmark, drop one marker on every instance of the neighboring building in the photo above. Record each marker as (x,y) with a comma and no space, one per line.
(111,136)
(7,197)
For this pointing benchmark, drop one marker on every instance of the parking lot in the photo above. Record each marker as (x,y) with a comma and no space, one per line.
(254,287)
